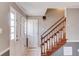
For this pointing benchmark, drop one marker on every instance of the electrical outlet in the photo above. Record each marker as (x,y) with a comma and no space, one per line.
(78,50)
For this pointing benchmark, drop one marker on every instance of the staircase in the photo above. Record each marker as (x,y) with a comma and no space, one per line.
(54,38)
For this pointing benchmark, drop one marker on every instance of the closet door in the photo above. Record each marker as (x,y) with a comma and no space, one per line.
(32,33)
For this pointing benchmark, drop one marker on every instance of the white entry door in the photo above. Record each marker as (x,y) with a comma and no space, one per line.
(12,31)
(18,37)
(32,33)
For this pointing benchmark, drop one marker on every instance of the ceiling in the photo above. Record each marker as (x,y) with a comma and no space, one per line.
(39,8)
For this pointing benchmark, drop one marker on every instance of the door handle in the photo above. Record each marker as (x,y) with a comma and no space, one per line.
(17,38)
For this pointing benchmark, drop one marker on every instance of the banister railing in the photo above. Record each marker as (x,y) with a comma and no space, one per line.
(53,25)
(54,36)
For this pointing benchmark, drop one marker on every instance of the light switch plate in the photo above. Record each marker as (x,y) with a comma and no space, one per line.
(1,30)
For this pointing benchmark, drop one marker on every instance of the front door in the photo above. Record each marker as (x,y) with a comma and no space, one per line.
(17,33)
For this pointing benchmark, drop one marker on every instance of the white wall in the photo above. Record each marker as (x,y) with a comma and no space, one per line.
(4,24)
(17,8)
(72,24)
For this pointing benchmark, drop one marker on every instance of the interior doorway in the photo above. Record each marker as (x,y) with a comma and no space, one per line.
(32,33)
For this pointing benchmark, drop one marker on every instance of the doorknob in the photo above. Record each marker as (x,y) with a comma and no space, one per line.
(17,38)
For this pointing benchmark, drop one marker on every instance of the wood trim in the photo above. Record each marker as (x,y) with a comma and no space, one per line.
(4,51)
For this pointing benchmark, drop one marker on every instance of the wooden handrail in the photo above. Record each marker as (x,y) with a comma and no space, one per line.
(54,28)
(53,25)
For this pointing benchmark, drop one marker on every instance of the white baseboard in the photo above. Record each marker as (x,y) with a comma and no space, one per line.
(4,51)
(72,40)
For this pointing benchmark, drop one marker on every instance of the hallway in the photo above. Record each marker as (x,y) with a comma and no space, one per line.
(38,29)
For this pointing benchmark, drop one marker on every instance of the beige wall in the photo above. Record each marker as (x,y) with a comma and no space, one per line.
(73,24)
(4,24)
(52,15)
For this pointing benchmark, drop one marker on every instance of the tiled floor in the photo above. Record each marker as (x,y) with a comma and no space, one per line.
(33,51)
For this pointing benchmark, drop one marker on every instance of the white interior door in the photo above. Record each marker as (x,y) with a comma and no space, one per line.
(23,35)
(32,33)
(18,34)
